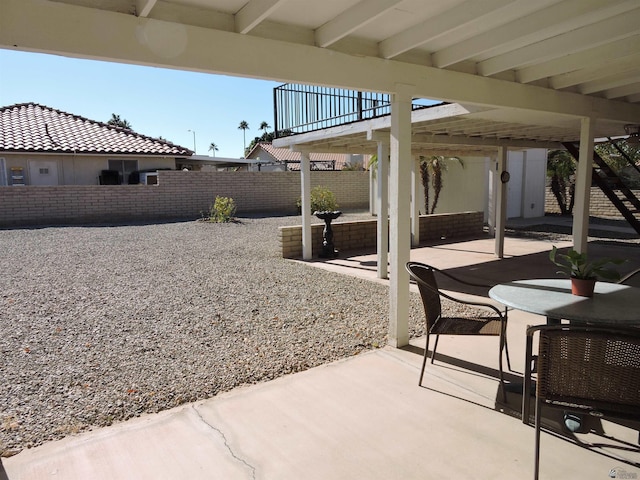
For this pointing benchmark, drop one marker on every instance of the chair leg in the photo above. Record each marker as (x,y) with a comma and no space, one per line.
(435,345)
(503,344)
(536,467)
(506,346)
(424,360)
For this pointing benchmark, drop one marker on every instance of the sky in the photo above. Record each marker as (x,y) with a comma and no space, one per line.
(157,102)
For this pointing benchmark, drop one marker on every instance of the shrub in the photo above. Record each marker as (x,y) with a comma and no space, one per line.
(322,200)
(222,210)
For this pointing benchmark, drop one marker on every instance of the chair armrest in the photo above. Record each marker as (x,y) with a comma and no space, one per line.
(472,303)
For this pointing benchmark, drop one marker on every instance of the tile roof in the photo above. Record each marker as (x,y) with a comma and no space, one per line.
(288,155)
(30,127)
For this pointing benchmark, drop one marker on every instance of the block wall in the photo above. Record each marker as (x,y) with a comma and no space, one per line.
(178,195)
(362,235)
(599,206)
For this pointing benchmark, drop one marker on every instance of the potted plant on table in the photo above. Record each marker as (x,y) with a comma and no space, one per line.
(582,271)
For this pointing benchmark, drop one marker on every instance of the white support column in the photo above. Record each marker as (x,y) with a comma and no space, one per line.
(400,228)
(305,194)
(501,200)
(383,208)
(415,201)
(583,185)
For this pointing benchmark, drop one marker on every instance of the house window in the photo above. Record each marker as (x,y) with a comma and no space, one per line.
(124,169)
(44,171)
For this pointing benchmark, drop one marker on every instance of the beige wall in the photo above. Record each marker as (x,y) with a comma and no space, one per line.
(178,195)
(80,169)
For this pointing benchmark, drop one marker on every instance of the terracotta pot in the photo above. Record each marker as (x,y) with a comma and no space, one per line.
(583,287)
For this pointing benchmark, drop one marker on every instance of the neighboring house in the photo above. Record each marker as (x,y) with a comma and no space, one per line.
(272,159)
(44,146)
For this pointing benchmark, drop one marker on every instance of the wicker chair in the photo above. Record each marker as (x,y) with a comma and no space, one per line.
(589,370)
(494,323)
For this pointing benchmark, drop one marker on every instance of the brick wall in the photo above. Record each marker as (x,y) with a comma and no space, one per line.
(178,195)
(600,205)
(361,235)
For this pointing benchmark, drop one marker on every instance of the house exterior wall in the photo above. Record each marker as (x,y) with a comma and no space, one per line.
(76,170)
(464,188)
(178,195)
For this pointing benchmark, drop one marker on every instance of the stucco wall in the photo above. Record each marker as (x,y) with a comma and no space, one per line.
(178,195)
(80,169)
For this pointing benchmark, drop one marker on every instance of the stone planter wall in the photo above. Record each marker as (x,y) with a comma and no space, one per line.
(362,234)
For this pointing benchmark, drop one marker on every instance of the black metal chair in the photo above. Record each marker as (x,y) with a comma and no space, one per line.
(494,323)
(588,370)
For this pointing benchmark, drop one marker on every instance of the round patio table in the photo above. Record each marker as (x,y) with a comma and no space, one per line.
(611,304)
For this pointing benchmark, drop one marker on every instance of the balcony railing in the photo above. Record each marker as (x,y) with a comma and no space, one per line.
(307,108)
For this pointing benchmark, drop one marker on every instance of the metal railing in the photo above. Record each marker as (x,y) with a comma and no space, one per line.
(307,108)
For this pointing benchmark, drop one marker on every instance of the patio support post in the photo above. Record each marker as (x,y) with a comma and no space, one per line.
(305,194)
(400,228)
(383,204)
(583,185)
(415,201)
(501,201)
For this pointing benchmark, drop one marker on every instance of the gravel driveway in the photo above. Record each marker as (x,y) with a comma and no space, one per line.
(101,324)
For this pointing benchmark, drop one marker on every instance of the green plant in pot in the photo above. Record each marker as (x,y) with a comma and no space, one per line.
(584,272)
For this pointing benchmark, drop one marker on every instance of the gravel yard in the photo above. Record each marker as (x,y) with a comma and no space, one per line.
(101,324)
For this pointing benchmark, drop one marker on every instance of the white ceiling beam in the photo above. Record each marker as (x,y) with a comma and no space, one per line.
(456,18)
(608,30)
(595,73)
(627,91)
(613,81)
(351,20)
(576,61)
(480,141)
(64,29)
(143,7)
(537,26)
(253,13)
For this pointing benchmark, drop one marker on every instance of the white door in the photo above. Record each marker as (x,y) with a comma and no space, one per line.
(514,187)
(43,172)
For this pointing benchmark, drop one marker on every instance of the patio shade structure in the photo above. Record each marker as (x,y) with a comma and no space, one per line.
(572,65)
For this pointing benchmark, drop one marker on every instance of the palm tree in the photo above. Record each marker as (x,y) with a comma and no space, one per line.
(244,126)
(116,121)
(213,148)
(264,126)
(561,169)
(432,168)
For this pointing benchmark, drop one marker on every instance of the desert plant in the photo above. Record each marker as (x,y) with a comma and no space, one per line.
(222,210)
(578,265)
(322,200)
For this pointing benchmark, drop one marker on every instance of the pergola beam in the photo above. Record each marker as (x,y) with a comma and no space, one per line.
(144,7)
(537,26)
(580,60)
(54,27)
(613,28)
(457,17)
(253,13)
(351,20)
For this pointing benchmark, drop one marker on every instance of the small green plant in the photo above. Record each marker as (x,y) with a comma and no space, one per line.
(222,210)
(322,200)
(577,265)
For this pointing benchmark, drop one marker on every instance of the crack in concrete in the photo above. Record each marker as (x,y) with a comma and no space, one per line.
(226,443)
